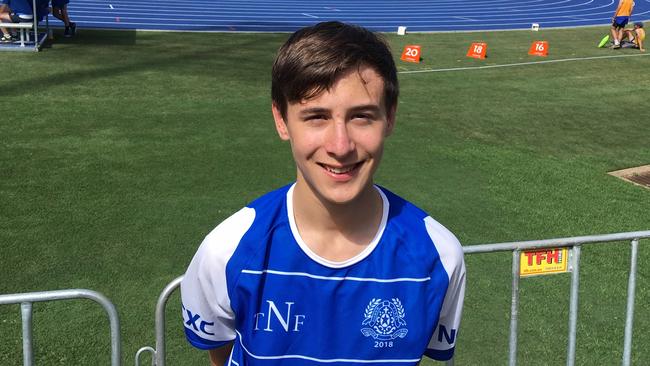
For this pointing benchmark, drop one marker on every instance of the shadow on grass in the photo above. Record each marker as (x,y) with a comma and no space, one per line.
(95,38)
(90,55)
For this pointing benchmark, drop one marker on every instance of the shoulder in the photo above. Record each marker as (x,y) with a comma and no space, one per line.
(223,240)
(412,222)
(401,209)
(273,200)
(448,246)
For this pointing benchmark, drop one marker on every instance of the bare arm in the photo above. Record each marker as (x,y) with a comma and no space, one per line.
(617,9)
(639,41)
(218,356)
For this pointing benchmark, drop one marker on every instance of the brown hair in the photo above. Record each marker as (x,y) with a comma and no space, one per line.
(315,57)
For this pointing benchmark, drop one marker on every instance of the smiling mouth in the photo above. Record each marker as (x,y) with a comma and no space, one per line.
(340,170)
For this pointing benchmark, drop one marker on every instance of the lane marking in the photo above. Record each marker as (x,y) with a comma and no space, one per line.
(465,18)
(111,6)
(520,64)
(309,15)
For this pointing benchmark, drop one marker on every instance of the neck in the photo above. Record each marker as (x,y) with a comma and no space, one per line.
(336,231)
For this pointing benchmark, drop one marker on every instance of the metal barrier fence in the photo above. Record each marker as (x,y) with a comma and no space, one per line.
(158,353)
(575,243)
(516,248)
(27,299)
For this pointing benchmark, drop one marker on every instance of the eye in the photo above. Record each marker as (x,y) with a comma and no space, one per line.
(314,116)
(363,117)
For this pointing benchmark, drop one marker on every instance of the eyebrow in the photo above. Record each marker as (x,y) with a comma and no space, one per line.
(368,107)
(319,110)
(314,110)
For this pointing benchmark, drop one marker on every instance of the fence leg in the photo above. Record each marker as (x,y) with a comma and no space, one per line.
(141,351)
(26,314)
(160,320)
(573,307)
(514,308)
(629,317)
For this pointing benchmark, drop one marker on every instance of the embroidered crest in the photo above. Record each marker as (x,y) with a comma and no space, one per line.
(384,320)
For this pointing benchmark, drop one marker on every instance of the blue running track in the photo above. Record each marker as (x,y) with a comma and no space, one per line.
(378,15)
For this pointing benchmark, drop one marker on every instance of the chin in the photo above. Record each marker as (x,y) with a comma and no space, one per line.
(342,195)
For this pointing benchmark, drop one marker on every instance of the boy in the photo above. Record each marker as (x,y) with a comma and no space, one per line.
(620,19)
(633,38)
(331,268)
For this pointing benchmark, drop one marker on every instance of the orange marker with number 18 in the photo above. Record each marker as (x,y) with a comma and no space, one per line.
(477,50)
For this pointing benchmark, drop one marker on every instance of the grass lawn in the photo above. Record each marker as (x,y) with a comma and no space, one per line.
(119,151)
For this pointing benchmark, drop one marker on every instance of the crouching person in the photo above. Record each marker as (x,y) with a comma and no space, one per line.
(633,38)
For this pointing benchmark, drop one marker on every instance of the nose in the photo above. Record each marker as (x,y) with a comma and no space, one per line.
(339,142)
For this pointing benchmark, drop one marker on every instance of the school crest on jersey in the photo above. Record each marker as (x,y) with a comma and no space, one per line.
(384,320)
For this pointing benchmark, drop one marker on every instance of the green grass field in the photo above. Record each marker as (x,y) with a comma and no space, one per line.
(120,150)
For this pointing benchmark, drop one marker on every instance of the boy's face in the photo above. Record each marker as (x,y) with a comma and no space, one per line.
(337,137)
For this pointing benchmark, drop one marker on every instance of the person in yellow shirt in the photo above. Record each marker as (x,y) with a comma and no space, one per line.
(620,19)
(633,38)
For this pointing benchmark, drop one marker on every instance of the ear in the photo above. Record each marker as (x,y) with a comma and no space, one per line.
(280,123)
(390,120)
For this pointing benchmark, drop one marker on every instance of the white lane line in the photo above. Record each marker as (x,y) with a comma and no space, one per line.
(465,18)
(111,6)
(521,64)
(309,15)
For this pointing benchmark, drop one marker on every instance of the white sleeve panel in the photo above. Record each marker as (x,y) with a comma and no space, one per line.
(204,291)
(451,255)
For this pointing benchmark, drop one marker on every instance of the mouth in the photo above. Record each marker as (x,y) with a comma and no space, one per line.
(341,170)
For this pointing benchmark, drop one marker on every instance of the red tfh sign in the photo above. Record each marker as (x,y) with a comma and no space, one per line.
(477,50)
(548,255)
(411,53)
(539,48)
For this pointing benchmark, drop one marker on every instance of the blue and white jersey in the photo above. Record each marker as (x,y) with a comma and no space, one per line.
(253,280)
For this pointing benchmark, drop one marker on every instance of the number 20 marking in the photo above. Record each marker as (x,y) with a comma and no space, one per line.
(413,52)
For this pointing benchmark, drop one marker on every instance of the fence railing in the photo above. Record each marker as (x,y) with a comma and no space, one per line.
(575,243)
(158,353)
(27,299)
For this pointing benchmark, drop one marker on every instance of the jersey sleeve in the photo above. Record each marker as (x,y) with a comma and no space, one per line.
(443,342)
(208,318)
